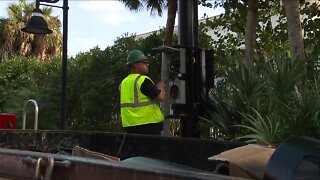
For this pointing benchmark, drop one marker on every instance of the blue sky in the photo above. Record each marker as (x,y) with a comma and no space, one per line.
(99,23)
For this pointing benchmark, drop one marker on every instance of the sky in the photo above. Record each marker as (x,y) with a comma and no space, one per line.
(94,23)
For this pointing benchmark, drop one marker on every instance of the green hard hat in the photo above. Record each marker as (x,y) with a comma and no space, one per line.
(135,56)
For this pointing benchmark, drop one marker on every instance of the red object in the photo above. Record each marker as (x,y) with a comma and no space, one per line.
(7,121)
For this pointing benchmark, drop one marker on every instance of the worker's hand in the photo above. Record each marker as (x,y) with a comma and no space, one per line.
(161,85)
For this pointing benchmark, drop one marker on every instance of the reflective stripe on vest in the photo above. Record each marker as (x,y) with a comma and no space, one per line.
(136,102)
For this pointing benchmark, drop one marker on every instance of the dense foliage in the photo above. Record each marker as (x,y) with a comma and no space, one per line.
(263,102)
(92,85)
(23,79)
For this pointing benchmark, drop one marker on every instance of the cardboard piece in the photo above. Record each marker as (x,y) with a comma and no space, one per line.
(249,161)
(82,152)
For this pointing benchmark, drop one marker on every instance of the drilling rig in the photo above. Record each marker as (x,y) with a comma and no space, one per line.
(189,74)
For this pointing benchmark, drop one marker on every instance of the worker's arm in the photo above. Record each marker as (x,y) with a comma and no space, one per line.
(161,86)
(154,92)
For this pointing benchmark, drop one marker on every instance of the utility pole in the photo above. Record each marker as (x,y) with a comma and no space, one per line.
(188,39)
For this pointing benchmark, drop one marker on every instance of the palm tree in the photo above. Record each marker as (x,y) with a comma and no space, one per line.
(172,9)
(292,8)
(157,6)
(15,42)
(251,28)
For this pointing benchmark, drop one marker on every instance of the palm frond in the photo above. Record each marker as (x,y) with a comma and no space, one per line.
(260,128)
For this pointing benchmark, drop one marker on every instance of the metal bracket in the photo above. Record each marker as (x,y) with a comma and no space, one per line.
(166,49)
(50,163)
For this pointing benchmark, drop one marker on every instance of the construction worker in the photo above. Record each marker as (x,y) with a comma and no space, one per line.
(140,97)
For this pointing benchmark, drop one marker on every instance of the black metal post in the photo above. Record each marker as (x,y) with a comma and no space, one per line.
(188,38)
(195,25)
(37,4)
(185,23)
(64,69)
(196,72)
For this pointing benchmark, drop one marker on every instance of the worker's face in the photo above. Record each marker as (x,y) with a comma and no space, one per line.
(142,67)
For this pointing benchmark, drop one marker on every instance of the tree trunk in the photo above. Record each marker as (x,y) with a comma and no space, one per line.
(250,34)
(292,8)
(172,9)
(165,106)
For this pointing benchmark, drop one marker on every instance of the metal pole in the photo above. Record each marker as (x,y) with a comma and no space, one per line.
(64,65)
(185,23)
(186,40)
(195,25)
(37,4)
(196,71)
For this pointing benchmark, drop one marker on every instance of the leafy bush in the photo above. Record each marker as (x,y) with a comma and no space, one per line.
(270,102)
(24,79)
(92,85)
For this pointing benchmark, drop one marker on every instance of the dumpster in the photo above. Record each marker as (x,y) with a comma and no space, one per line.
(26,154)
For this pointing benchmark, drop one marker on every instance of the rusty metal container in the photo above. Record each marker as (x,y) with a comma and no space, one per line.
(32,154)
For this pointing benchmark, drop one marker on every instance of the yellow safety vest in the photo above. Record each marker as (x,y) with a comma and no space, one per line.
(137,108)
